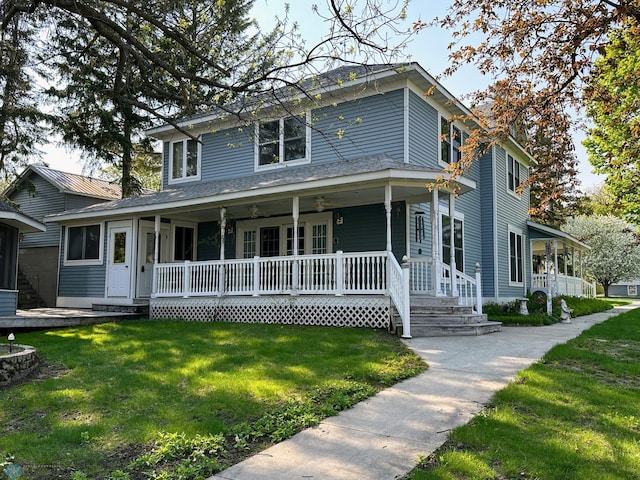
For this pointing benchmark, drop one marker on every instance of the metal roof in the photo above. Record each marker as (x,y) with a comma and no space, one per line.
(71,183)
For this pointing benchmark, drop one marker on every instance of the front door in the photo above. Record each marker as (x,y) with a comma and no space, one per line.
(119,262)
(146,255)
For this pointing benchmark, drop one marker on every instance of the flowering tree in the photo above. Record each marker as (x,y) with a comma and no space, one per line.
(615,248)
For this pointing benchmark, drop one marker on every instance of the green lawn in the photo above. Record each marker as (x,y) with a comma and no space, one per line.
(574,415)
(186,398)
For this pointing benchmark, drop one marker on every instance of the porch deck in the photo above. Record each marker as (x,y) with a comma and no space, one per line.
(60,317)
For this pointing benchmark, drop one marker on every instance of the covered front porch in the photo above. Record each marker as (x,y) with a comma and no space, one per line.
(556,266)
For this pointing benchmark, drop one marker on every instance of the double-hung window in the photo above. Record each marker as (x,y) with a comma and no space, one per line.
(456,242)
(515,172)
(450,142)
(84,245)
(281,141)
(184,160)
(516,259)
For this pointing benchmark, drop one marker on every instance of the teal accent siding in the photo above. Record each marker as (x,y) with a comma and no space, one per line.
(424,142)
(379,130)
(363,229)
(8,303)
(82,280)
(209,242)
(36,197)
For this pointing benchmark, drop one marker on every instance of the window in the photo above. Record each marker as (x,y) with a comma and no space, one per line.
(281,141)
(451,141)
(319,240)
(515,172)
(8,261)
(249,244)
(516,263)
(84,244)
(300,240)
(184,161)
(183,243)
(457,242)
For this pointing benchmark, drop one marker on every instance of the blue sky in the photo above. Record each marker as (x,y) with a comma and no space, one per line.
(428,47)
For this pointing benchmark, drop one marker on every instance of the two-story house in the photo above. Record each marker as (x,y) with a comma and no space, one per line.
(329,210)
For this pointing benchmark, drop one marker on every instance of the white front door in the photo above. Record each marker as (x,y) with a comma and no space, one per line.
(119,262)
(146,254)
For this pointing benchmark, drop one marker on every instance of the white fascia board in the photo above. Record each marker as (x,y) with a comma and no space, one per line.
(23,223)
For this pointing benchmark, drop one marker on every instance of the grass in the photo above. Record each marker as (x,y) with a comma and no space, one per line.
(575,414)
(509,313)
(142,399)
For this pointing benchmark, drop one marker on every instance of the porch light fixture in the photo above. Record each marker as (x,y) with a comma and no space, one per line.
(339,219)
(420,228)
(254,211)
(11,339)
(320,204)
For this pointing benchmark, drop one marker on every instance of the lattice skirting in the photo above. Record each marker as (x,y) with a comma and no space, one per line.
(347,311)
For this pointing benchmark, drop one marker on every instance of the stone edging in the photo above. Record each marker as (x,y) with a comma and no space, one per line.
(17,365)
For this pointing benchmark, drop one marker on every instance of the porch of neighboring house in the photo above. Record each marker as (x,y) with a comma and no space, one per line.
(557,263)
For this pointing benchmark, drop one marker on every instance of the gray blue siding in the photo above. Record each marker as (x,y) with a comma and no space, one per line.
(487,219)
(371,126)
(424,141)
(8,302)
(511,210)
(82,280)
(36,197)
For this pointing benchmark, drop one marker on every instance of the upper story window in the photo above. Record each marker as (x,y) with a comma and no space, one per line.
(84,245)
(281,141)
(515,173)
(450,142)
(184,160)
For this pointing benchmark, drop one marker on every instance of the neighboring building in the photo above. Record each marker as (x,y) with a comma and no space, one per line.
(41,191)
(306,218)
(625,289)
(13,224)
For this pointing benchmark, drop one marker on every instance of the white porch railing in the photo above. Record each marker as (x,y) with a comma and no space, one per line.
(566,285)
(338,274)
(363,273)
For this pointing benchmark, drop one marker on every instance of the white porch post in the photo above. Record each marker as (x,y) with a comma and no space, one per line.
(547,254)
(555,267)
(295,274)
(223,231)
(452,223)
(156,254)
(435,241)
(387,207)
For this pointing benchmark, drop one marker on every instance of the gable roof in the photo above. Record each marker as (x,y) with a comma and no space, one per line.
(552,233)
(14,217)
(71,183)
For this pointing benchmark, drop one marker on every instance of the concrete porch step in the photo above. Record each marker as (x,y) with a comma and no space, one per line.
(422,318)
(445,330)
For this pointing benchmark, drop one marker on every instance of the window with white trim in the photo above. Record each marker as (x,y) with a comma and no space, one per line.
(280,142)
(515,173)
(516,257)
(83,245)
(451,141)
(458,244)
(184,160)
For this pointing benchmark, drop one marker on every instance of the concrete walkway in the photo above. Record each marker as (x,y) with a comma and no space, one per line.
(381,438)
